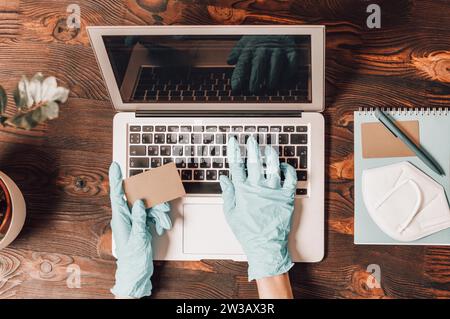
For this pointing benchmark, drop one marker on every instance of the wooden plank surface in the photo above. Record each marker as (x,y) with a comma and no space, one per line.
(62,166)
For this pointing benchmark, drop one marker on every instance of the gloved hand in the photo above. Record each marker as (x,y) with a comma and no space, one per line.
(133,239)
(262,62)
(259,209)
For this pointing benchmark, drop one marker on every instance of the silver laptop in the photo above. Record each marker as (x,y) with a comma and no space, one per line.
(175,93)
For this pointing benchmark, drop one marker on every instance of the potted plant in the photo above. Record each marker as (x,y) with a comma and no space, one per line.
(37,100)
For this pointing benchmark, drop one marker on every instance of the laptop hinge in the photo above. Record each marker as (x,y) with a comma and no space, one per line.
(217,113)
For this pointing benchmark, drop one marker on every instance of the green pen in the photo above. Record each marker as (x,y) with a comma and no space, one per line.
(397,132)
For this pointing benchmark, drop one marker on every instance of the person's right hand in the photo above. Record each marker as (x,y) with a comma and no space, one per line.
(263,62)
(259,209)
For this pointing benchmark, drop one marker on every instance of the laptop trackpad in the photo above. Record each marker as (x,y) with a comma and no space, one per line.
(205,231)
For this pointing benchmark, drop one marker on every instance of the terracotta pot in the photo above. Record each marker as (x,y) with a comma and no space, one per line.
(14,218)
(4,224)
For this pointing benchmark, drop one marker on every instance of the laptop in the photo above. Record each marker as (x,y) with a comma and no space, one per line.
(174,90)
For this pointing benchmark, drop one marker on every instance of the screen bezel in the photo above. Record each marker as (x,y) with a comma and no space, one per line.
(317,34)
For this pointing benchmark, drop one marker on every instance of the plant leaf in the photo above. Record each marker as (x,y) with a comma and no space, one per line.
(28,120)
(20,99)
(50,110)
(3,100)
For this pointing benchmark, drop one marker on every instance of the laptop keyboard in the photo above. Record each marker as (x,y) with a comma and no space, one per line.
(207,84)
(199,151)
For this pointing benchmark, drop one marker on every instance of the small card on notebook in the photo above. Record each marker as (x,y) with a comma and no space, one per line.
(378,141)
(154,186)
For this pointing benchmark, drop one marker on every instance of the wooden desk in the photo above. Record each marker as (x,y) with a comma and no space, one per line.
(62,166)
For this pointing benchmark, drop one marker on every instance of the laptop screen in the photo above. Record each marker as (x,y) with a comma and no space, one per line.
(211,68)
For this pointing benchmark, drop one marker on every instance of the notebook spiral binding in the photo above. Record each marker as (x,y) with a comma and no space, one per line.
(407,111)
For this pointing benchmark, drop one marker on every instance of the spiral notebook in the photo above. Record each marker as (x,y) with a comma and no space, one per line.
(432,127)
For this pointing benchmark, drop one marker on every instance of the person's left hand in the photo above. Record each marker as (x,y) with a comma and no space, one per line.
(132,236)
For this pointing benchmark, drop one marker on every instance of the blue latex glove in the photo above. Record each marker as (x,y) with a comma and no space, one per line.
(259,209)
(263,62)
(131,231)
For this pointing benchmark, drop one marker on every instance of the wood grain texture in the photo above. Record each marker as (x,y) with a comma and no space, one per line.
(62,166)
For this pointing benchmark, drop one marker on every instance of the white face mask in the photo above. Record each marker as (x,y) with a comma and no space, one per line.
(404,202)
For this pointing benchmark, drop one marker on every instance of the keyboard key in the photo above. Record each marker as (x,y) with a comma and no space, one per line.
(177,150)
(160,128)
(147,138)
(271,139)
(301,129)
(135,138)
(293,162)
(224,173)
(275,129)
(183,138)
(211,129)
(160,138)
(148,128)
(138,150)
(199,175)
(243,138)
(173,128)
(263,129)
(301,191)
(299,139)
(180,162)
(250,129)
(302,150)
(217,163)
(135,172)
(167,160)
(205,163)
(302,175)
(302,153)
(211,175)
(196,138)
(155,162)
(237,129)
(214,150)
(172,138)
(153,150)
(224,150)
(139,162)
(224,128)
(283,139)
(260,139)
(186,128)
(186,175)
(208,138)
(165,150)
(192,162)
(221,139)
(202,188)
(135,128)
(289,129)
(289,151)
(202,150)
(189,150)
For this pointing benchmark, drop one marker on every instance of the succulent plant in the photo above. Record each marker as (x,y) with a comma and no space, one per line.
(37,100)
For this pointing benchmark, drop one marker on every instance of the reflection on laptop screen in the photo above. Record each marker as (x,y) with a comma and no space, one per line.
(212,68)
